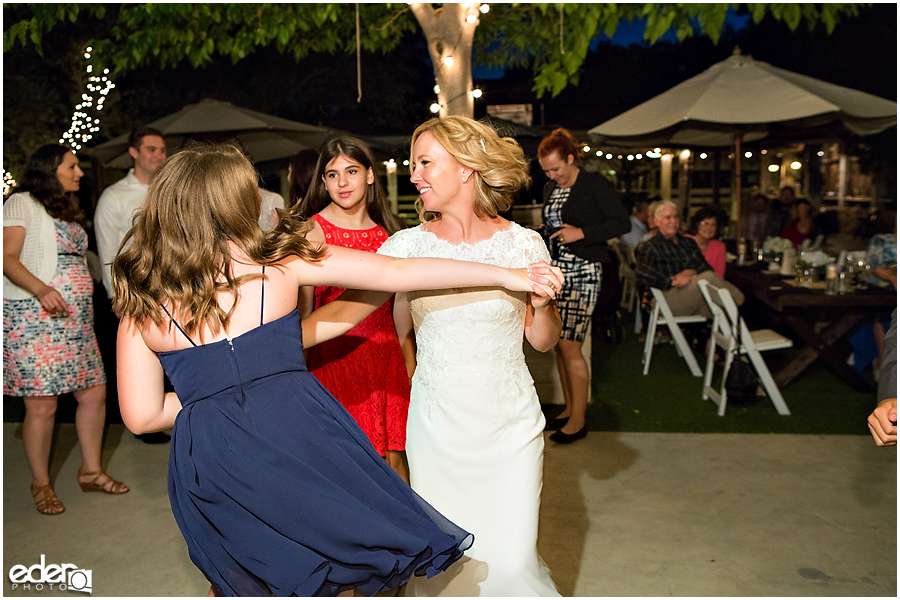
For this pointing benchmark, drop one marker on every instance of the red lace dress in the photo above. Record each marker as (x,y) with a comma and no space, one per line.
(364,368)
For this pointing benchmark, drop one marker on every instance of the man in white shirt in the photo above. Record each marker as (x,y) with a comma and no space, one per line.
(118,204)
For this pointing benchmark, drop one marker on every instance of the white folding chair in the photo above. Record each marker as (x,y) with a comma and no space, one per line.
(662,311)
(726,321)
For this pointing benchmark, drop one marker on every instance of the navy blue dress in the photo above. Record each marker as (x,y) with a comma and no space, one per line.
(274,486)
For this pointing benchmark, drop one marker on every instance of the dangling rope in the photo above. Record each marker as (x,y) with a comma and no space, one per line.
(358,59)
(562,49)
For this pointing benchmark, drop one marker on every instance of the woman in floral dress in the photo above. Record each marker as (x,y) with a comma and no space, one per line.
(50,347)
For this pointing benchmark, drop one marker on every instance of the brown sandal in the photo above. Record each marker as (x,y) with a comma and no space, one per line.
(46,501)
(100,482)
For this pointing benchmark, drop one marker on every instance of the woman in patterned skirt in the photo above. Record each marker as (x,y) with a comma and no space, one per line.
(581,212)
(50,346)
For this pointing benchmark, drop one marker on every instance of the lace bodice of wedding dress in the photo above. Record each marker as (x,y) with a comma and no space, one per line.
(475,429)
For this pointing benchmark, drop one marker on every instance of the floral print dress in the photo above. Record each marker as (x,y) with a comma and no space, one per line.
(48,355)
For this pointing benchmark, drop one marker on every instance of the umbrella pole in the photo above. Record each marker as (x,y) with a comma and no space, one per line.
(738,135)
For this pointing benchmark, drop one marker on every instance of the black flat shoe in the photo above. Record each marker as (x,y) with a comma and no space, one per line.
(567,438)
(556,424)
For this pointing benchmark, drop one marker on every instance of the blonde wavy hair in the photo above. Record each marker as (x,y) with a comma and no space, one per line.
(499,165)
(178,251)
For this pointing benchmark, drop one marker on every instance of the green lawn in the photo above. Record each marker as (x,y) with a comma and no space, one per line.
(668,398)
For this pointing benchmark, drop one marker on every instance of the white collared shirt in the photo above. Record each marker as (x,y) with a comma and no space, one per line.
(113,218)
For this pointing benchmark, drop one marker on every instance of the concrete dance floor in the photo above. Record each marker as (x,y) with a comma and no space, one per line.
(623,514)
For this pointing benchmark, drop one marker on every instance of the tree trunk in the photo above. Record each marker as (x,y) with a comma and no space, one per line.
(449,34)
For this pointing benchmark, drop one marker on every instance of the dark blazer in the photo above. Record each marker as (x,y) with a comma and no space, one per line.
(594,206)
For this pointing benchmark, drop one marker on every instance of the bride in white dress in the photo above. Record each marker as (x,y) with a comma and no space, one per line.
(474,434)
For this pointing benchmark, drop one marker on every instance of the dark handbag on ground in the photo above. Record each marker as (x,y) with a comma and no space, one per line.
(742,380)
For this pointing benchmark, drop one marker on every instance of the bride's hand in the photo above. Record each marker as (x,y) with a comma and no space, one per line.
(546,283)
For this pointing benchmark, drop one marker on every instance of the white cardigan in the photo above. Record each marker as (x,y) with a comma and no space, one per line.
(39,250)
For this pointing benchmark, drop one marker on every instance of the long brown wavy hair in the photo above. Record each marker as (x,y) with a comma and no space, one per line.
(498,162)
(177,251)
(378,206)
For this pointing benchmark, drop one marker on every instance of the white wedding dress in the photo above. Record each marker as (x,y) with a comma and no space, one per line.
(474,435)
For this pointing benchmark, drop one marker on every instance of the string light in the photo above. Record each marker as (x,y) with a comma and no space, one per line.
(484,8)
(438,105)
(8,182)
(83,124)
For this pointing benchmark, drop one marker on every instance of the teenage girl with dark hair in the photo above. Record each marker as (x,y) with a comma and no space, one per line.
(365,368)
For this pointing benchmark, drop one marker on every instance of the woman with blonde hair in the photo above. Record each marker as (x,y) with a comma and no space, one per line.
(274,486)
(474,435)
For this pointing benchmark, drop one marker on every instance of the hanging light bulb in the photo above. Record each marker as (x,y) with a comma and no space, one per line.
(435,108)
(476,93)
(484,8)
(471,17)
(448,61)
(437,89)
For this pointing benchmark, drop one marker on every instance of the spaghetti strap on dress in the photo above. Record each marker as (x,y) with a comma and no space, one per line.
(274,486)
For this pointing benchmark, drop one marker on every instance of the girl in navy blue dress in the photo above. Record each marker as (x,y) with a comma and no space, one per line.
(274,486)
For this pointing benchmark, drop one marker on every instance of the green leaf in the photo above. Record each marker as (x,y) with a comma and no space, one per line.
(758,11)
(658,24)
(792,16)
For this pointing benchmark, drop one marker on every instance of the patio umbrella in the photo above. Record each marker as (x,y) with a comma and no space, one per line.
(741,99)
(264,137)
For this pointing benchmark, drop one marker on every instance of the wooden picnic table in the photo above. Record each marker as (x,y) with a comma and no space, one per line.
(819,320)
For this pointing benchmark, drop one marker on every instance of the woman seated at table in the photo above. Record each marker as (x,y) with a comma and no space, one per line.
(704,229)
(802,226)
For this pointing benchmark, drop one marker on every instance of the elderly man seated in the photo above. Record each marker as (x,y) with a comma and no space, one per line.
(675,264)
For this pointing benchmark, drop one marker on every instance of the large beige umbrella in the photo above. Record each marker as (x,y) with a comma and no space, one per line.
(741,99)
(264,137)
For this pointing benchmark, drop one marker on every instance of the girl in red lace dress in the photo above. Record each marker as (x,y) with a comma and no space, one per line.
(368,368)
